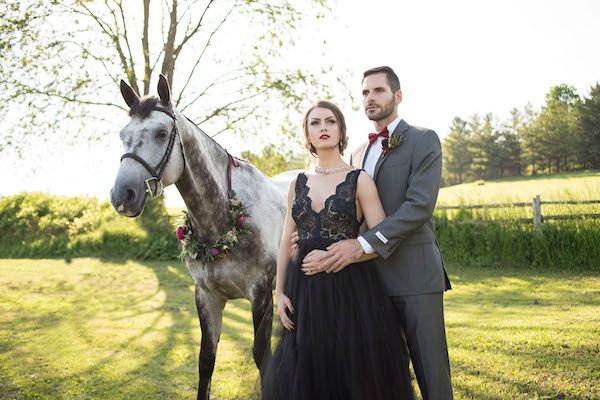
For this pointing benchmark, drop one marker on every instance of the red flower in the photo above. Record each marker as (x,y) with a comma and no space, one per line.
(240,221)
(215,252)
(180,233)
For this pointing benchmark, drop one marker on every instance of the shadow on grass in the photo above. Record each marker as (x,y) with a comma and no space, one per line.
(157,375)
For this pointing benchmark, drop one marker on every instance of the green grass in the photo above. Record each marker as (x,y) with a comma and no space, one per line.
(128,330)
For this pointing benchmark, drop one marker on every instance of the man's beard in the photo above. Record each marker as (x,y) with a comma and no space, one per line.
(386,111)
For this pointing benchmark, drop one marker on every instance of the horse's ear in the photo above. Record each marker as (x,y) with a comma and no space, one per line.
(163,91)
(129,95)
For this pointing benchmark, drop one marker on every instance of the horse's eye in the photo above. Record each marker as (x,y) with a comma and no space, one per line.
(161,134)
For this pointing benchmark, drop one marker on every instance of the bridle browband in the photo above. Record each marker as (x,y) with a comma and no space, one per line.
(157,172)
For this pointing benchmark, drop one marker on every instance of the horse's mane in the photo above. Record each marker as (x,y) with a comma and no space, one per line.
(144,107)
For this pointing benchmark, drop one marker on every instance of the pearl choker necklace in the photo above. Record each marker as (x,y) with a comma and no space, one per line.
(330,170)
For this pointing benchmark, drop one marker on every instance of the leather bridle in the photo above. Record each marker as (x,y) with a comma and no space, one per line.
(157,172)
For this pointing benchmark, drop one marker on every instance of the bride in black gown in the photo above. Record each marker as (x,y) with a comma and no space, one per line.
(340,338)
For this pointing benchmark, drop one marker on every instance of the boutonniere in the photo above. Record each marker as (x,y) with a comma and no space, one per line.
(390,144)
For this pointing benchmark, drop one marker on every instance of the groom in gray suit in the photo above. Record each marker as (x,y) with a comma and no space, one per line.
(406,164)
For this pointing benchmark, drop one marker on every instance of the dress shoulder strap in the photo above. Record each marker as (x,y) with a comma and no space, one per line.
(300,183)
(354,177)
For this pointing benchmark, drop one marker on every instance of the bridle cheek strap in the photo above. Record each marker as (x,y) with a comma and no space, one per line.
(156,173)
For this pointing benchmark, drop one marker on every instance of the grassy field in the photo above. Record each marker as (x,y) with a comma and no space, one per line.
(574,185)
(94,329)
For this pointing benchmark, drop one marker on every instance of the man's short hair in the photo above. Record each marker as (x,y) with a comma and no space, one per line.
(391,76)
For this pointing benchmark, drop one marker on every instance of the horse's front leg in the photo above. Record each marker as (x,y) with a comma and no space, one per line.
(210,311)
(262,316)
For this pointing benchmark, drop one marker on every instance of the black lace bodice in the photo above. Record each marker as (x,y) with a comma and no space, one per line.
(337,220)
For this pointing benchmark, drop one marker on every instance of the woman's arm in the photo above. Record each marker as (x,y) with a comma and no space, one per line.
(283,255)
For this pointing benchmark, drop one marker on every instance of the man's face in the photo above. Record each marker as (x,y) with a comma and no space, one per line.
(378,100)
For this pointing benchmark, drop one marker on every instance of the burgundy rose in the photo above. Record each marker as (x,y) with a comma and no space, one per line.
(240,221)
(215,252)
(180,233)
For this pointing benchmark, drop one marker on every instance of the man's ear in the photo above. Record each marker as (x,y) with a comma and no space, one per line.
(398,96)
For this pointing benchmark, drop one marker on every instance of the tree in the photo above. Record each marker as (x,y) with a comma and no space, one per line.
(530,141)
(508,145)
(556,124)
(484,147)
(588,129)
(272,162)
(62,60)
(457,152)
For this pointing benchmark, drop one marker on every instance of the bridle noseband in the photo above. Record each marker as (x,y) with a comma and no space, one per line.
(157,172)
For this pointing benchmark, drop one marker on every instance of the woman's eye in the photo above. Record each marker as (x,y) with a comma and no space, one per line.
(314,123)
(331,121)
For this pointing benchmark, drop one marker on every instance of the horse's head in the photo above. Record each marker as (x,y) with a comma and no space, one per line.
(153,157)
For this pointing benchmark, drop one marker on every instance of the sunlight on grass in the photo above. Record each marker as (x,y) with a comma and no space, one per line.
(129,330)
(574,186)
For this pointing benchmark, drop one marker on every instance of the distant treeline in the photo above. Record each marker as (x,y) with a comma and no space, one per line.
(563,136)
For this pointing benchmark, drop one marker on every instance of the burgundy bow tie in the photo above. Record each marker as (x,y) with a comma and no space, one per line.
(373,136)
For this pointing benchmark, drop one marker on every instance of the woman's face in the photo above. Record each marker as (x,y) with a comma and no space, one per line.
(323,129)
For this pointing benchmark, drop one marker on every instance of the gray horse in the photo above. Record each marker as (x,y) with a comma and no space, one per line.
(163,148)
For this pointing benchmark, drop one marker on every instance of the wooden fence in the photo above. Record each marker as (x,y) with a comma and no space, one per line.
(536,204)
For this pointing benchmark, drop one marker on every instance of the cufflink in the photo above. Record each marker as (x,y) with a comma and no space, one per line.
(381,237)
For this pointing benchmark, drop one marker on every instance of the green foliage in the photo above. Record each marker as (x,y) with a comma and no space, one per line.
(562,136)
(496,239)
(40,225)
(568,245)
(221,76)
(271,161)
(588,129)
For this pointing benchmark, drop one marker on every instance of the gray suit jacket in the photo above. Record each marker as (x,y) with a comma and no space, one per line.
(408,182)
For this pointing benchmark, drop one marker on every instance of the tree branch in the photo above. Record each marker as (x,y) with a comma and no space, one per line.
(213,83)
(126,38)
(188,36)
(169,61)
(33,90)
(146,48)
(218,110)
(241,118)
(208,41)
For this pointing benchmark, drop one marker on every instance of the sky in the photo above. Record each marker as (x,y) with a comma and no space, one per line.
(453,58)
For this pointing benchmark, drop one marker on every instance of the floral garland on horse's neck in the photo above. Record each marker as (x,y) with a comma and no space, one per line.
(209,252)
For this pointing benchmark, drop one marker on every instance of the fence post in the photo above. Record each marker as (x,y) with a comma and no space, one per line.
(537,213)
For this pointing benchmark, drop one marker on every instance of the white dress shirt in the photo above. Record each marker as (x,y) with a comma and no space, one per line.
(374,152)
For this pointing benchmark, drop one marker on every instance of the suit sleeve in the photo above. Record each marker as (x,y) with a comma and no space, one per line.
(421,196)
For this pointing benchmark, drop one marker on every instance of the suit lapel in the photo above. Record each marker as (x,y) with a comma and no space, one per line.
(400,129)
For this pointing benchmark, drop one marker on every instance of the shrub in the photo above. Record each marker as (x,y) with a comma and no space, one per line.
(40,225)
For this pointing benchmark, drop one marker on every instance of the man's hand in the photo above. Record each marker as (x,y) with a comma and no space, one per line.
(337,257)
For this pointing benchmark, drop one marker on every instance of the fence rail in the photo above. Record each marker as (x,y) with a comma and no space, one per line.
(536,204)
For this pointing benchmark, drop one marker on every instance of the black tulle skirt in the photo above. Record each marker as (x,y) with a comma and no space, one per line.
(346,343)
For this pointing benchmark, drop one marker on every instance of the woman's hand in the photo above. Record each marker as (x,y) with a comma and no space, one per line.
(312,263)
(283,305)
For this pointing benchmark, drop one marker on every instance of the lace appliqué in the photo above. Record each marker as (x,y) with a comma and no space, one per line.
(337,220)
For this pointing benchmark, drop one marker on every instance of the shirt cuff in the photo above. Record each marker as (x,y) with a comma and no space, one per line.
(365,245)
